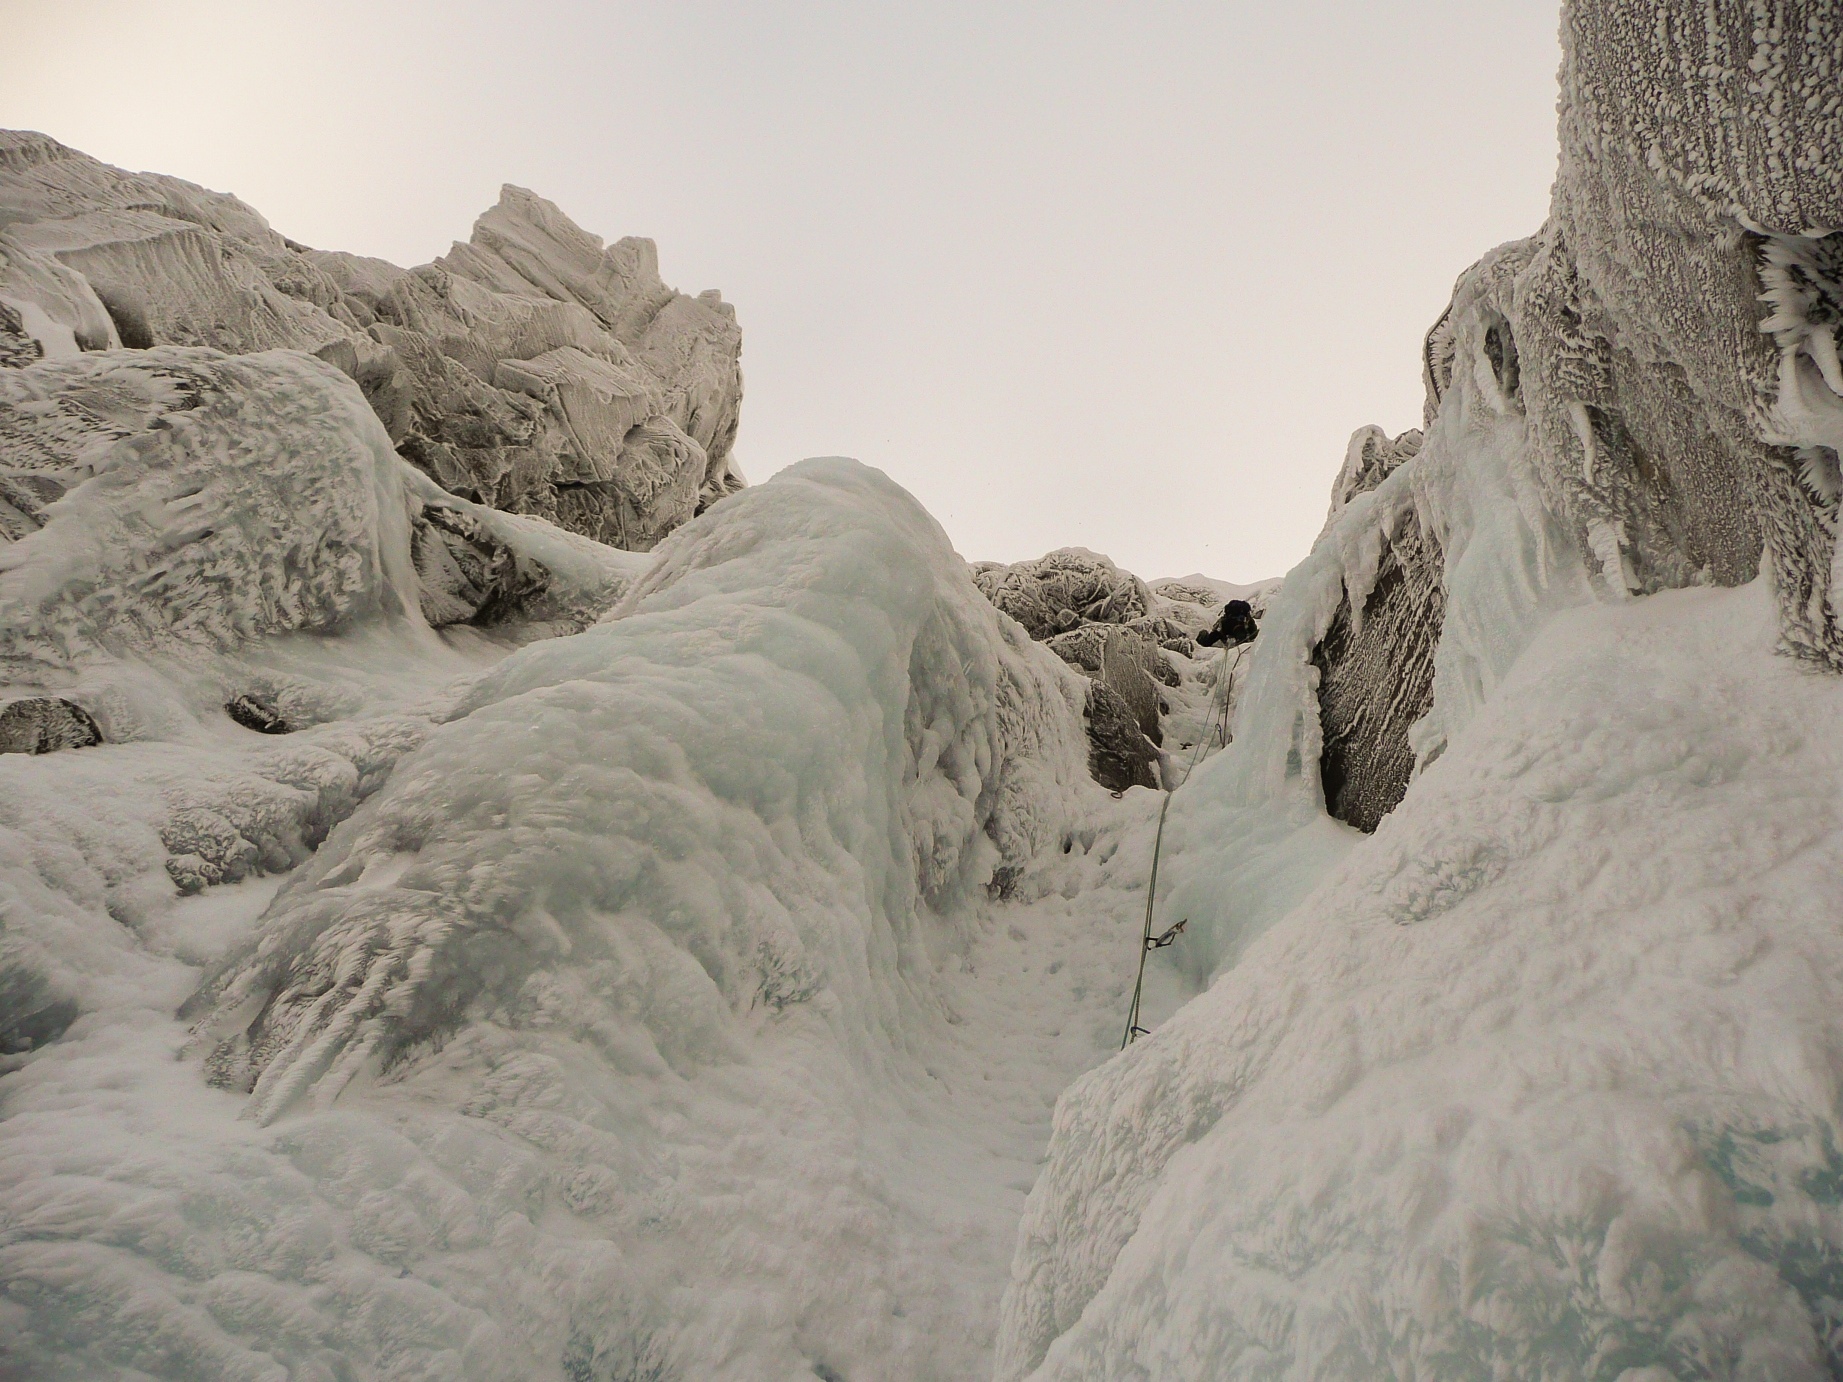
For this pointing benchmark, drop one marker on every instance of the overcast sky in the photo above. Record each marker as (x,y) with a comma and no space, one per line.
(1117,276)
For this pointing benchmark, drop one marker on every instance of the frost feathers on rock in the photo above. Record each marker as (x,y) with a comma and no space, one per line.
(530,369)
(1667,341)
(176,498)
(1110,625)
(1063,591)
(154,499)
(1470,1097)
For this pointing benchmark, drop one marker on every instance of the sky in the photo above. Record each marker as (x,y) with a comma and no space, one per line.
(1077,274)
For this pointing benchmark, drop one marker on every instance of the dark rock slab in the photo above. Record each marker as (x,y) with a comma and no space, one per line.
(45,724)
(1376,679)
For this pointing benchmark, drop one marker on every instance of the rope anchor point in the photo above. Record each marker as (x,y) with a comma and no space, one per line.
(1164,938)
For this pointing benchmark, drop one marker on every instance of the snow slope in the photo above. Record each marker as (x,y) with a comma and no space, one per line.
(1541,1080)
(632,1003)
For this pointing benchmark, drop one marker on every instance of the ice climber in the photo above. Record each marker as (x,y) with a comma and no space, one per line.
(1235,625)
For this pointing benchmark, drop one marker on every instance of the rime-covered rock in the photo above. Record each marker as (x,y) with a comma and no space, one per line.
(1371,458)
(1063,591)
(465,572)
(45,724)
(174,497)
(1375,679)
(254,711)
(1119,753)
(1126,661)
(1473,1095)
(47,310)
(1701,171)
(1668,340)
(178,507)
(531,369)
(152,501)
(1108,624)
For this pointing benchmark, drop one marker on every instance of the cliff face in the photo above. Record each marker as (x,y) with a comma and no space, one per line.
(531,369)
(1667,344)
(1470,1094)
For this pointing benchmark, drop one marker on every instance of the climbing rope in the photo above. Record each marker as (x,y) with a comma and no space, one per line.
(1215,721)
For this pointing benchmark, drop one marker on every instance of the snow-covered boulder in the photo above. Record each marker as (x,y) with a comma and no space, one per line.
(45,724)
(1538,1079)
(1064,590)
(531,369)
(165,513)
(47,310)
(154,499)
(176,498)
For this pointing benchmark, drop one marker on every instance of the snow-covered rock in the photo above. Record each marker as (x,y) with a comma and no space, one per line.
(45,724)
(1133,641)
(1063,591)
(1124,703)
(168,498)
(1538,1079)
(606,1022)
(938,739)
(180,496)
(164,512)
(531,369)
(1371,458)
(47,311)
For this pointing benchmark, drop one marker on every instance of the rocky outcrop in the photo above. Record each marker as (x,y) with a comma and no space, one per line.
(255,711)
(164,513)
(466,573)
(45,724)
(1667,346)
(1119,753)
(532,369)
(1124,705)
(1686,429)
(175,498)
(1371,458)
(1131,640)
(1063,591)
(1107,624)
(1127,662)
(1375,679)
(182,498)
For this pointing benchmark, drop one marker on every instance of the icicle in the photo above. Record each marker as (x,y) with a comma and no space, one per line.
(1822,344)
(1583,432)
